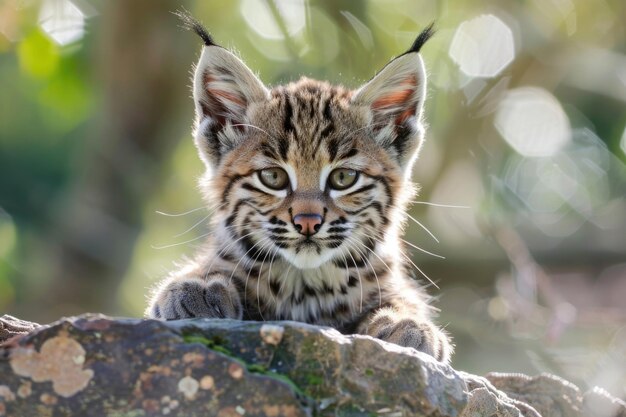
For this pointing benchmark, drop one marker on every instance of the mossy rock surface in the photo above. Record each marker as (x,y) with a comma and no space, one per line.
(100,366)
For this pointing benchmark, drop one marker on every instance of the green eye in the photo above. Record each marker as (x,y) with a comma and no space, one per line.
(342,178)
(274,178)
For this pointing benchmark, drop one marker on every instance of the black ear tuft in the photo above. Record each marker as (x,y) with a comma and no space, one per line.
(191,23)
(422,38)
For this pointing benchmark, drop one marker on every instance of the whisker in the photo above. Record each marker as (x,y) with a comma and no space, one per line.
(423,227)
(365,127)
(365,258)
(258,283)
(235,226)
(223,251)
(269,273)
(260,252)
(422,272)
(428,203)
(379,258)
(162,213)
(345,262)
(181,243)
(193,227)
(358,272)
(213,210)
(245,291)
(251,222)
(375,254)
(249,270)
(282,281)
(422,250)
(255,127)
(412,263)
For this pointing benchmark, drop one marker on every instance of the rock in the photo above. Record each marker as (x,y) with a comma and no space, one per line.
(11,326)
(99,366)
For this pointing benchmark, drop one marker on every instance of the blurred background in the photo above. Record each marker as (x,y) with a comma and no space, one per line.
(523,174)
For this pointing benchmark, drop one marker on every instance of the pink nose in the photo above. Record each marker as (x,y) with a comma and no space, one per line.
(307,224)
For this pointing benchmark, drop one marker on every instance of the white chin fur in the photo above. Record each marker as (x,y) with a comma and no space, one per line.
(307,259)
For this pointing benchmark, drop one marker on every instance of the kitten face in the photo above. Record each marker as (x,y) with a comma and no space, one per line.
(310,181)
(308,172)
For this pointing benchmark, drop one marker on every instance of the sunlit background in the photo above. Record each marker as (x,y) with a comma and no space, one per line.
(523,175)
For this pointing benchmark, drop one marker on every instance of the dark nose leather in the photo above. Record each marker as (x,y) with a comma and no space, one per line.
(307,224)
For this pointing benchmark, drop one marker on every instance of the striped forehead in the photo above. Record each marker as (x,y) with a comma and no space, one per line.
(311,116)
(308,126)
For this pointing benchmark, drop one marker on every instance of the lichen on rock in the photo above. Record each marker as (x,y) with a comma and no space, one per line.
(61,361)
(94,365)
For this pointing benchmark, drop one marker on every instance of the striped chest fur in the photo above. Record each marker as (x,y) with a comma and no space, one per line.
(336,293)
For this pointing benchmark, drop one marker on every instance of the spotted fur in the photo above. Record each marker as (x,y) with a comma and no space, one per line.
(352,272)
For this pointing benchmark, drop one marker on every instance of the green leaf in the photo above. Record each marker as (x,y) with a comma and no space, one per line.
(38,55)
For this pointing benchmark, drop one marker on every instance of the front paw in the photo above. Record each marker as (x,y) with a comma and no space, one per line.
(194,297)
(423,336)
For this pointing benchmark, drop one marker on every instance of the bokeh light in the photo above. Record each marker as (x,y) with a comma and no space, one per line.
(62,21)
(483,46)
(262,17)
(562,191)
(532,121)
(361,29)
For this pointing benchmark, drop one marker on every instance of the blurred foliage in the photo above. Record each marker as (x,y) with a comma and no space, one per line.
(527,129)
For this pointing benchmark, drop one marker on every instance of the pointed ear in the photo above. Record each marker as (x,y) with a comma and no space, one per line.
(224,89)
(394,99)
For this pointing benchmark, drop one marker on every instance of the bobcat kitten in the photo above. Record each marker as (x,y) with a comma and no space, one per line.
(310,184)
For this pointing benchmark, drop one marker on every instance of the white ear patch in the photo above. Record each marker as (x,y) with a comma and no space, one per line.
(397,92)
(223,90)
(224,84)
(395,99)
